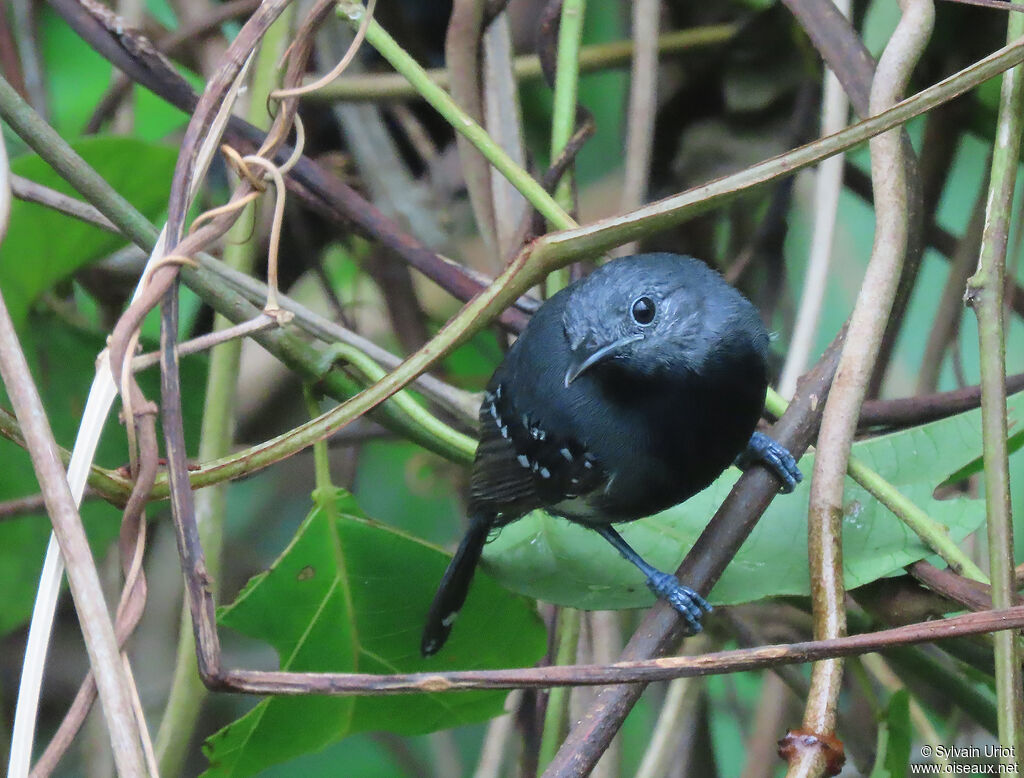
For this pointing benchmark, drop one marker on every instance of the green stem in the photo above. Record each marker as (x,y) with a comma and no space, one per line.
(563,112)
(567,73)
(985,296)
(442,102)
(594,57)
(324,492)
(370,372)
(556,716)
(187,692)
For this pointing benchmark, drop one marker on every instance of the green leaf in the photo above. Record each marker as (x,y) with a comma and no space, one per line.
(77,78)
(43,246)
(892,758)
(977,465)
(350,595)
(551,559)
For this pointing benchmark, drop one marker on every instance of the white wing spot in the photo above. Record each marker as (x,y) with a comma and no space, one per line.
(448,620)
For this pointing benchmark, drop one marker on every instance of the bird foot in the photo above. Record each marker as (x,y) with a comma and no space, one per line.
(690,605)
(763,450)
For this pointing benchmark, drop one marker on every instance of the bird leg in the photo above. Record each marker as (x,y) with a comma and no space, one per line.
(762,450)
(690,605)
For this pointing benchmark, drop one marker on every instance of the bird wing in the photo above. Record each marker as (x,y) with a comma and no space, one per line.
(521,466)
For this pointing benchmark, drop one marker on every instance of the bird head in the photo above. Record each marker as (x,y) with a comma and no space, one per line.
(646,315)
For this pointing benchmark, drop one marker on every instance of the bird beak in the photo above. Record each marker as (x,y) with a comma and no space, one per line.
(581,362)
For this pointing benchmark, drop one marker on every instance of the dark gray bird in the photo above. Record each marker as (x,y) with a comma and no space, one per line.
(630,391)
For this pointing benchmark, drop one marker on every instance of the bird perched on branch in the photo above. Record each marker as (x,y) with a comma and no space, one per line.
(630,391)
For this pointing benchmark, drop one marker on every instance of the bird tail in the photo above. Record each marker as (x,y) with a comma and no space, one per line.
(454,586)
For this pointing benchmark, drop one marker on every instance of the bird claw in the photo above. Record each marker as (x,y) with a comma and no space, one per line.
(690,605)
(763,450)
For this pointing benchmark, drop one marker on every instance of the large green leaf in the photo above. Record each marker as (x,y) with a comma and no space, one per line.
(350,595)
(551,559)
(43,246)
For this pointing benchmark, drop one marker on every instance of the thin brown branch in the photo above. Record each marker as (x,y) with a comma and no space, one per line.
(950,309)
(101,643)
(623,672)
(30,191)
(35,503)
(844,52)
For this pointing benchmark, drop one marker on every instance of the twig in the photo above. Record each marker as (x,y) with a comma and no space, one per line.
(678,704)
(504,122)
(839,422)
(20,506)
(623,672)
(999,5)
(975,595)
(597,56)
(828,183)
(911,411)
(462,57)
(496,741)
(463,123)
(643,106)
(23,26)
(30,191)
(101,644)
(206,342)
(658,633)
(186,695)
(845,53)
(985,290)
(169,44)
(761,747)
(946,324)
(563,109)
(556,713)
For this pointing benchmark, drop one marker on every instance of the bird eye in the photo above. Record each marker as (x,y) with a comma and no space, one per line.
(643,310)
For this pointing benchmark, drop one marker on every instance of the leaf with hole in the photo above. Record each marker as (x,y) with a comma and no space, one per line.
(350,595)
